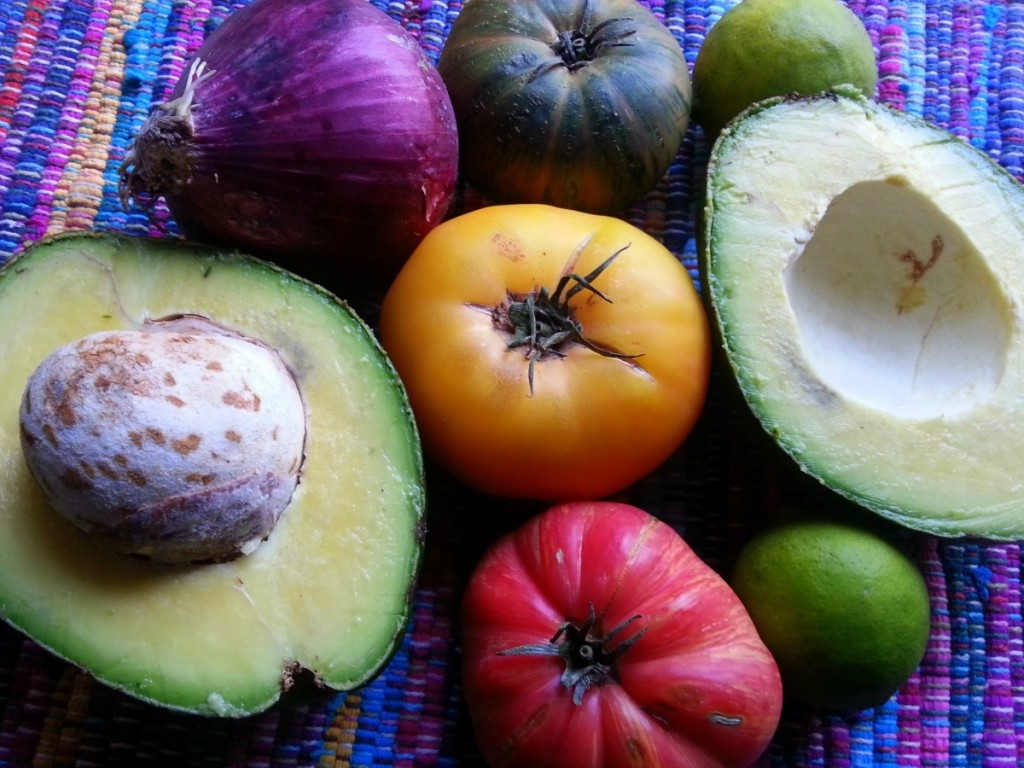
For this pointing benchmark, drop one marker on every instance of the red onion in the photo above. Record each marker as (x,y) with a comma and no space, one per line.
(313,132)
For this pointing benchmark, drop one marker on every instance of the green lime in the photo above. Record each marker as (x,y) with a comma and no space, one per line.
(764,48)
(844,611)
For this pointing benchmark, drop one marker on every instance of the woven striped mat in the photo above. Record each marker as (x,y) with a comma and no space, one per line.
(78,76)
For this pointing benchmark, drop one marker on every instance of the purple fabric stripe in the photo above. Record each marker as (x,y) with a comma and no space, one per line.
(1011,103)
(22,154)
(74,63)
(935,668)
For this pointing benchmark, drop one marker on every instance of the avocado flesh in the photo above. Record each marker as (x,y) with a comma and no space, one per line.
(866,273)
(328,591)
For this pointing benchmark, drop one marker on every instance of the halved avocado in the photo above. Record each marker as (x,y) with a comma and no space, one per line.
(866,273)
(328,591)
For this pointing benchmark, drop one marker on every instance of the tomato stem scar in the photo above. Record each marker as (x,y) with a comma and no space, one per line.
(576,48)
(542,322)
(589,658)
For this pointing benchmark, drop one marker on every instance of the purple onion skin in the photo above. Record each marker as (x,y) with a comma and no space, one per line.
(324,139)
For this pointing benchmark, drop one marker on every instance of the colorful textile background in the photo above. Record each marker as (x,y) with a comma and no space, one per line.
(79,76)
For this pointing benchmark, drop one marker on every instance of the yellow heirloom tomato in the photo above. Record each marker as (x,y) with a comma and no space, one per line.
(548,353)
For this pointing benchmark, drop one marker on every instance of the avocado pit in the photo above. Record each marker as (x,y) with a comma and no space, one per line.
(180,441)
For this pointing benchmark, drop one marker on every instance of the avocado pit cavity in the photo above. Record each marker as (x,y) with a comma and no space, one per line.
(179,442)
(896,308)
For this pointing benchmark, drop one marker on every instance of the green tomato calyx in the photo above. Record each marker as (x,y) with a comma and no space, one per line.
(589,655)
(543,323)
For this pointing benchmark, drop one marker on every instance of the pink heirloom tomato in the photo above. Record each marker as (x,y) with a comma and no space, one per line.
(547,353)
(594,637)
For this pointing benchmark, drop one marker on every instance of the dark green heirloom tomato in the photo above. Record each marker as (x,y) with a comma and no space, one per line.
(576,103)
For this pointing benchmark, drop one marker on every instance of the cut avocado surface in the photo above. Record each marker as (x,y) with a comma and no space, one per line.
(328,591)
(866,272)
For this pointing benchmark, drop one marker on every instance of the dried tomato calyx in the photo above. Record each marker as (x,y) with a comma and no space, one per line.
(542,322)
(589,658)
(578,47)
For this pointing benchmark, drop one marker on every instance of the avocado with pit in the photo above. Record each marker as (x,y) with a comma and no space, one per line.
(865,270)
(211,481)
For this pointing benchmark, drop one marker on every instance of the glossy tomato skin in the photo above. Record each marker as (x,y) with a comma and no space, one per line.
(592,135)
(697,689)
(590,424)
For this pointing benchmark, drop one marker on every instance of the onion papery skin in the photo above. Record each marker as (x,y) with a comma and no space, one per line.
(319,135)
